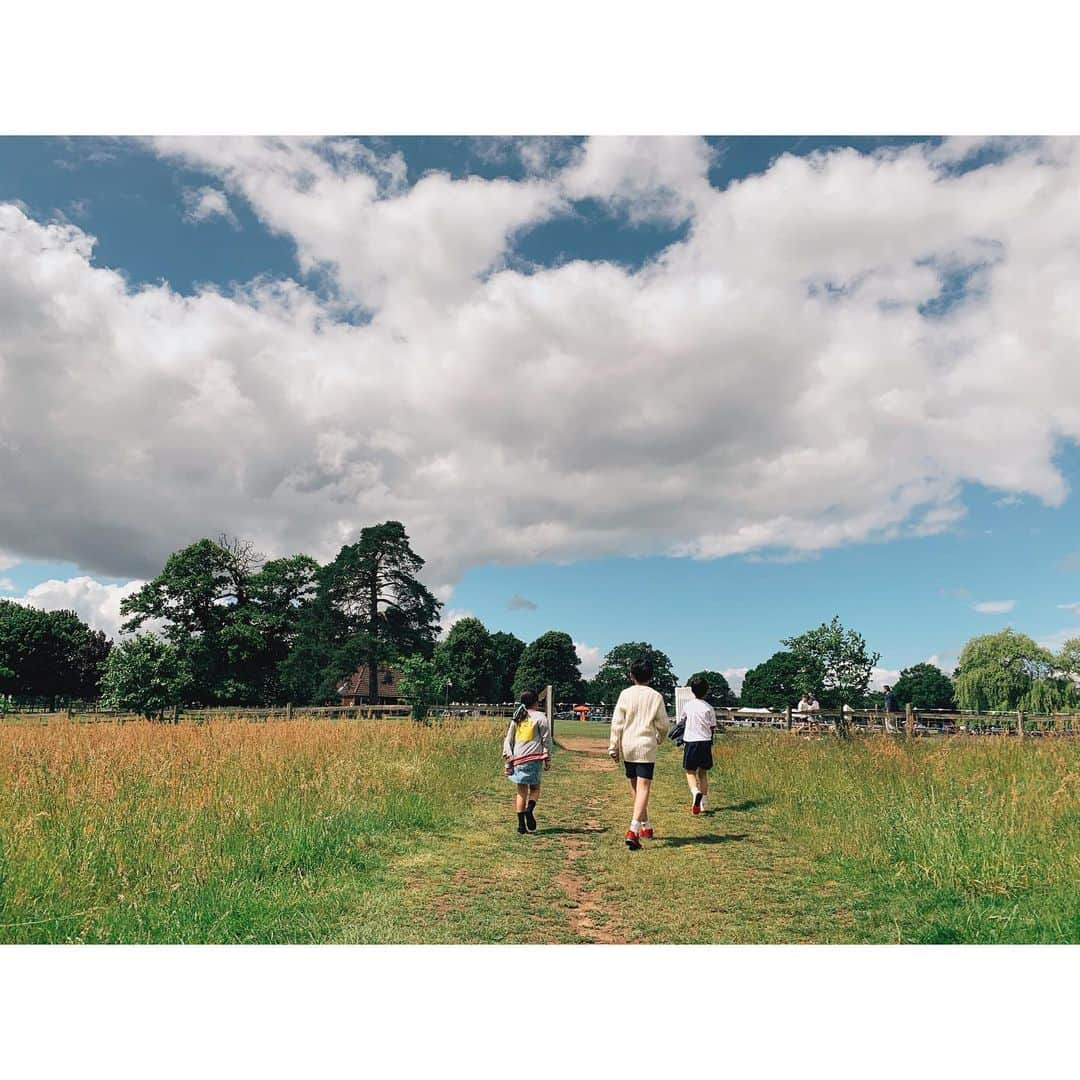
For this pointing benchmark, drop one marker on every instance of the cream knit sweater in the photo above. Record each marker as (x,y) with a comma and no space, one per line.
(639,722)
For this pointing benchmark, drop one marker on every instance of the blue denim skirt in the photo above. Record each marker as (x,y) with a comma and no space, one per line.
(526,773)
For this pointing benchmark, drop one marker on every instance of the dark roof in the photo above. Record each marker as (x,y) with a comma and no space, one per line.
(356,685)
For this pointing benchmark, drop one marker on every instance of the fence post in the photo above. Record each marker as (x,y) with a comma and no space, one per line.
(787,716)
(288,710)
(1020,723)
(909,720)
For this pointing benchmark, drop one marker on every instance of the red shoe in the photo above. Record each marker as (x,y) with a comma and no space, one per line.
(696,808)
(632,841)
(646,833)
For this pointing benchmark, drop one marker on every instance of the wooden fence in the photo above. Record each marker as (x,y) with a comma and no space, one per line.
(912,722)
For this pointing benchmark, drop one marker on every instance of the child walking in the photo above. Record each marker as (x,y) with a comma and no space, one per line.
(638,724)
(700,721)
(526,748)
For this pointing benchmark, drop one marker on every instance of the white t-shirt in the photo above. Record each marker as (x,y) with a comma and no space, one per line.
(700,720)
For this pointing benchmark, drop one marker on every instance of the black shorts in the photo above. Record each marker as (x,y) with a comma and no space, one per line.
(696,755)
(644,769)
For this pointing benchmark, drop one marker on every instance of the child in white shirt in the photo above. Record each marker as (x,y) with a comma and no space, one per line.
(700,721)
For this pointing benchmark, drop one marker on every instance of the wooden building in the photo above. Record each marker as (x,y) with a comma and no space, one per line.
(354,690)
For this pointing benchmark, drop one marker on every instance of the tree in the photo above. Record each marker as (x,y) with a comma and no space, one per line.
(614,674)
(195,598)
(924,686)
(720,693)
(420,685)
(145,674)
(506,650)
(550,659)
(1007,671)
(773,684)
(834,663)
(467,658)
(49,654)
(377,608)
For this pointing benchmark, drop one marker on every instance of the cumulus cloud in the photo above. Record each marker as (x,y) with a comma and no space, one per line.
(589,658)
(880,677)
(206,203)
(735,676)
(520,603)
(993,607)
(448,616)
(97,604)
(805,394)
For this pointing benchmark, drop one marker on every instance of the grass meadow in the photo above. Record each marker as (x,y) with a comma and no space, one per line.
(386,831)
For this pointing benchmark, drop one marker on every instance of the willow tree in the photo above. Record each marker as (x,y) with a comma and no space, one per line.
(1006,671)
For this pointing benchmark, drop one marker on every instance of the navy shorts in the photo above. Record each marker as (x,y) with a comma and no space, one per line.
(644,769)
(697,755)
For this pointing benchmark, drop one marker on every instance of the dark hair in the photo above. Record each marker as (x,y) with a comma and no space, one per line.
(528,697)
(699,686)
(641,670)
(886,687)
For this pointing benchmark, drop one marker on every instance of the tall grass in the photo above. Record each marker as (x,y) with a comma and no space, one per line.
(217,833)
(959,840)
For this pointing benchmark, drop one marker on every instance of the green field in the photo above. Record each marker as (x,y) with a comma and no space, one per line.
(315,831)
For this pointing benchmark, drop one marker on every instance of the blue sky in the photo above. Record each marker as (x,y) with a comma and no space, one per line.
(583,220)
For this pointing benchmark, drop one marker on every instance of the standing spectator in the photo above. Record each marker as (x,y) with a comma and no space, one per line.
(638,724)
(890,699)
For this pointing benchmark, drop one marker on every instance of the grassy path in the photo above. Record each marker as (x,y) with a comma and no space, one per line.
(719,877)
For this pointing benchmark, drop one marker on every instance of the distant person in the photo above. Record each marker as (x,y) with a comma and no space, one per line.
(808,703)
(527,749)
(638,724)
(890,700)
(700,722)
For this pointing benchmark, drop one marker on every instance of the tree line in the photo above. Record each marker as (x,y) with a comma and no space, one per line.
(221,625)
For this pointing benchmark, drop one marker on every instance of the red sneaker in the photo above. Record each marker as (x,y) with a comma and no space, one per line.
(646,833)
(696,808)
(632,841)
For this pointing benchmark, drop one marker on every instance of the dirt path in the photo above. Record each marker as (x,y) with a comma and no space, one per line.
(720,877)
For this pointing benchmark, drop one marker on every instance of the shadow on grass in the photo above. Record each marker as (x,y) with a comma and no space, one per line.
(573,831)
(749,804)
(716,838)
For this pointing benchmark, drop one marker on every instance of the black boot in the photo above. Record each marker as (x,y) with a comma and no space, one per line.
(530,820)
(521,821)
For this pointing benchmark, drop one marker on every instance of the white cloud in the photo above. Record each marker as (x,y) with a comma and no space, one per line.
(7,561)
(206,203)
(7,585)
(1056,640)
(97,604)
(590,658)
(448,616)
(880,677)
(994,607)
(735,676)
(806,402)
(1074,608)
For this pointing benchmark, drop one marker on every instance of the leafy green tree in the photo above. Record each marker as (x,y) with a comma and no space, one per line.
(1008,670)
(720,693)
(506,650)
(467,657)
(834,663)
(375,607)
(421,684)
(199,599)
(550,659)
(924,686)
(49,655)
(773,684)
(145,674)
(614,674)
